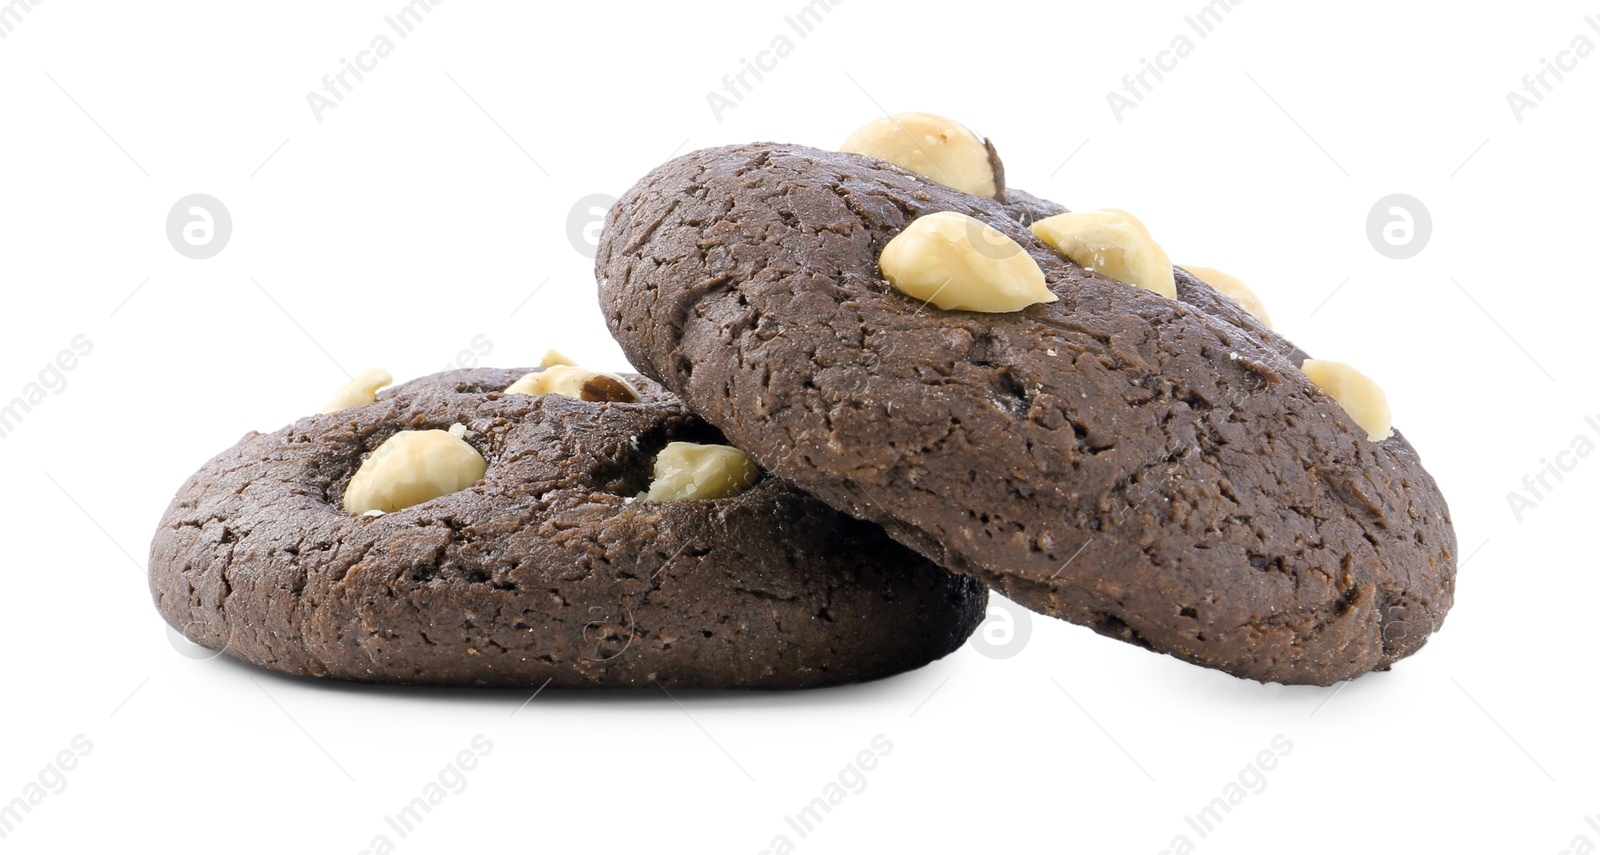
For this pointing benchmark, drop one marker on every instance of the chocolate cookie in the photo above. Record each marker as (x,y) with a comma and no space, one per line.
(1155,467)
(554,565)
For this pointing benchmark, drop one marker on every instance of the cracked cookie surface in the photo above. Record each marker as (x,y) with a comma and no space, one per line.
(1157,469)
(547,568)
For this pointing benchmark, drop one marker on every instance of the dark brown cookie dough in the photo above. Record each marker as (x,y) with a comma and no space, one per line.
(543,570)
(1158,470)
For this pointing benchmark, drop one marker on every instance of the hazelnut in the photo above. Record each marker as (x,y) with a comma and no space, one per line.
(956,262)
(410,468)
(1360,397)
(359,392)
(1234,290)
(935,147)
(1113,243)
(555,357)
(575,382)
(687,470)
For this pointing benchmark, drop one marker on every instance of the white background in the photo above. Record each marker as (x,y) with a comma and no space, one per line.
(426,209)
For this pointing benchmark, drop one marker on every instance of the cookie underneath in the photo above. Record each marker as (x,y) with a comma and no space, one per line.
(546,570)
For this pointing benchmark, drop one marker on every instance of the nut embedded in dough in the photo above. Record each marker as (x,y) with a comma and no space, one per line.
(1233,289)
(413,467)
(358,392)
(574,382)
(1362,398)
(957,262)
(1113,243)
(932,146)
(687,470)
